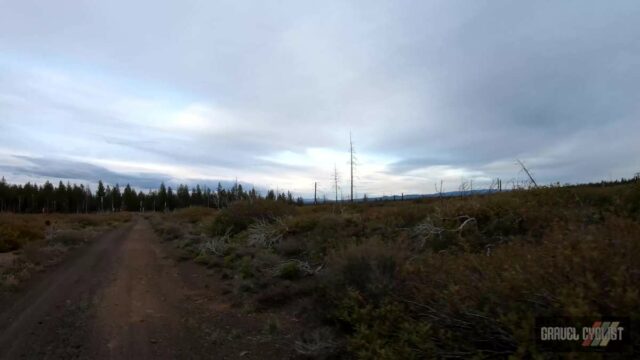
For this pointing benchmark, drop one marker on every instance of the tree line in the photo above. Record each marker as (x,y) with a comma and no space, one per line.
(72,198)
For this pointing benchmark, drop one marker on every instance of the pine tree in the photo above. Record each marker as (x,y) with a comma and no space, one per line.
(162,197)
(129,199)
(108,199)
(101,194)
(171,199)
(60,198)
(198,196)
(184,198)
(4,194)
(271,195)
(117,198)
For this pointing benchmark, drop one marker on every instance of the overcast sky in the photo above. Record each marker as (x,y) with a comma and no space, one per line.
(195,91)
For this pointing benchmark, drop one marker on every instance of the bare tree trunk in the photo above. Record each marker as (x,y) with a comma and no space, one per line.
(351,163)
(335,180)
(527,172)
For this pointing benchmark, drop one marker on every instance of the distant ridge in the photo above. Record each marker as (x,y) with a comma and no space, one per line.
(405,197)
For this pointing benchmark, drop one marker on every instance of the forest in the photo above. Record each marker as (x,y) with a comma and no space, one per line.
(72,198)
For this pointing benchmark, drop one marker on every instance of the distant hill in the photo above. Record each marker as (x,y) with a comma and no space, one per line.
(405,197)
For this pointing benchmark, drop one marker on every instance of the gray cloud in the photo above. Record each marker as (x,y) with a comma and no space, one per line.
(60,169)
(68,170)
(226,86)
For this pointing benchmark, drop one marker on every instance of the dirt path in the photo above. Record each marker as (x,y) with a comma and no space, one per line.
(124,298)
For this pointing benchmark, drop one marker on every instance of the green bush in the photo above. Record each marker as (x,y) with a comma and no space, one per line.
(289,271)
(370,268)
(246,268)
(384,331)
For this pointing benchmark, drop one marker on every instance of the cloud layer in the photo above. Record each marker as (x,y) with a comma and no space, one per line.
(200,91)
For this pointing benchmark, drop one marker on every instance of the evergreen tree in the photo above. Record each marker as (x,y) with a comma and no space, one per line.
(198,196)
(48,193)
(117,198)
(184,199)
(241,195)
(141,201)
(4,195)
(101,194)
(129,199)
(162,198)
(171,199)
(60,202)
(108,199)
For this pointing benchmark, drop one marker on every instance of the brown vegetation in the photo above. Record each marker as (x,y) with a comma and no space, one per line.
(457,277)
(32,242)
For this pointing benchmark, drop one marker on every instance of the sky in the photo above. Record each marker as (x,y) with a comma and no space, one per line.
(268,92)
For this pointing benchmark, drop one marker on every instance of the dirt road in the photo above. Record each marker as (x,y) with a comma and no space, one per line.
(123,297)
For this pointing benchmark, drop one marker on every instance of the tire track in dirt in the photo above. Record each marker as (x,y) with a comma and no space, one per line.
(49,319)
(138,315)
(123,297)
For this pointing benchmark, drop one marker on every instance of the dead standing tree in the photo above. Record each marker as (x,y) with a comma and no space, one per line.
(496,185)
(315,193)
(524,168)
(439,190)
(335,180)
(352,162)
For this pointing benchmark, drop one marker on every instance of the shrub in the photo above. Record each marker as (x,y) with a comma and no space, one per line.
(16,231)
(68,237)
(444,278)
(302,223)
(245,268)
(194,214)
(319,343)
(384,331)
(633,200)
(274,296)
(265,234)
(217,245)
(239,215)
(272,327)
(86,220)
(370,268)
(208,260)
(9,239)
(171,231)
(291,247)
(289,271)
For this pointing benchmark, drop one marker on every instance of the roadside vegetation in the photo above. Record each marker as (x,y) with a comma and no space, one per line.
(452,277)
(33,242)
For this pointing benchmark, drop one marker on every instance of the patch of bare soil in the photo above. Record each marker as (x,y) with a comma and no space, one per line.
(123,297)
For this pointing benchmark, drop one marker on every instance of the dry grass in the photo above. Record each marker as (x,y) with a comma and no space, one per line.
(461,277)
(33,242)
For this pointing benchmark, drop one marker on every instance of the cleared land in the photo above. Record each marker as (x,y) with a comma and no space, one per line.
(453,277)
(122,297)
(457,277)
